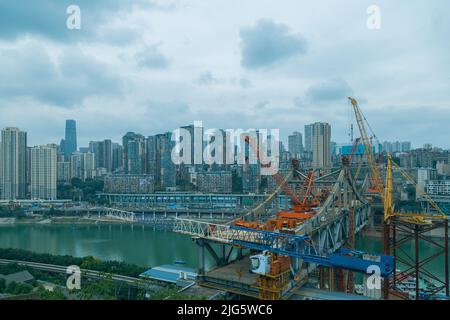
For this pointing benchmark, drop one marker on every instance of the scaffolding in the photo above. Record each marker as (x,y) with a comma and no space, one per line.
(272,286)
(415,280)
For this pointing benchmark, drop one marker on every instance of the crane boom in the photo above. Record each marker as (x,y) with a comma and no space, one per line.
(308,188)
(291,245)
(376,177)
(388,202)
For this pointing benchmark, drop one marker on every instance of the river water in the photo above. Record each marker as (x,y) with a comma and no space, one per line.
(141,245)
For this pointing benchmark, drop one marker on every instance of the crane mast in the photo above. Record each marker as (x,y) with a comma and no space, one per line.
(376,177)
(388,206)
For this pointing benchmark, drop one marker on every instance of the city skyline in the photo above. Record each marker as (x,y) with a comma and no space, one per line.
(134,65)
(284,138)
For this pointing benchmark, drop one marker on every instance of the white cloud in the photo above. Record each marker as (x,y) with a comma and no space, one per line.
(112,78)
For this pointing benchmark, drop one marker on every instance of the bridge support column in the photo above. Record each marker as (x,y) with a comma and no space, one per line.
(322,277)
(201,257)
(331,278)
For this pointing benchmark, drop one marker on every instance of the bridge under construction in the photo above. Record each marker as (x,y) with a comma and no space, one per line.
(270,253)
(317,245)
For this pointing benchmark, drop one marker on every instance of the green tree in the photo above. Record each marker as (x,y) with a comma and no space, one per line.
(18,288)
(172,293)
(56,294)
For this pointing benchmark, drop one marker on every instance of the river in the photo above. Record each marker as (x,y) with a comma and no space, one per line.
(141,245)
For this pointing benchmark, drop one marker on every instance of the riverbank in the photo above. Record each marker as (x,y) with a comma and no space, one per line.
(144,244)
(7,221)
(58,220)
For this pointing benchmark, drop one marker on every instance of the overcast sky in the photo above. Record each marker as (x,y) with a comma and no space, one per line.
(151,66)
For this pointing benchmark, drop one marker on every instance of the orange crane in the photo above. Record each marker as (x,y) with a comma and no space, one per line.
(303,204)
(304,209)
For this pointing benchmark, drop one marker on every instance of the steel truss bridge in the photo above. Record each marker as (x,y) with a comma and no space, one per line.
(113,214)
(318,241)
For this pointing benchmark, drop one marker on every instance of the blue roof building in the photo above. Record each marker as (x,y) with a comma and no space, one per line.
(181,276)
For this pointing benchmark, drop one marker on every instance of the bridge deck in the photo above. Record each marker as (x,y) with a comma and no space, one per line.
(234,277)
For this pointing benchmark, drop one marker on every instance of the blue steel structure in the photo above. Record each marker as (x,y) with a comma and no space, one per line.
(302,247)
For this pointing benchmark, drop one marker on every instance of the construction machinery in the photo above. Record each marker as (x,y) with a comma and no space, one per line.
(377,183)
(281,255)
(286,248)
(272,268)
(286,221)
(303,204)
(414,228)
(401,228)
(389,212)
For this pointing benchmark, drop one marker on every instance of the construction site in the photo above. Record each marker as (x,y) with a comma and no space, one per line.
(307,248)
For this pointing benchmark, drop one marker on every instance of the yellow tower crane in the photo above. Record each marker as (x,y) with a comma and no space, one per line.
(418,218)
(376,177)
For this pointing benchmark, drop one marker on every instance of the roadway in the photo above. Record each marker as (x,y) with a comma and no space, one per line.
(84,272)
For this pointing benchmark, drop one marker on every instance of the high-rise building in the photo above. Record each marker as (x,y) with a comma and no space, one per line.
(396,147)
(168,167)
(75,165)
(82,165)
(197,143)
(251,178)
(88,169)
(117,157)
(214,182)
(62,148)
(443,168)
(153,158)
(96,148)
(13,164)
(217,150)
(295,144)
(424,175)
(129,183)
(321,145)
(438,188)
(107,155)
(308,137)
(70,141)
(63,171)
(43,172)
(28,171)
(134,153)
(103,154)
(405,146)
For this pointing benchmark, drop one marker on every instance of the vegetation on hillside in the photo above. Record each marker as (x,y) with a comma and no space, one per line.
(115,267)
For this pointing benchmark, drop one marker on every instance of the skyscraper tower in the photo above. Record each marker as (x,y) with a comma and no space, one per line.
(295,144)
(134,153)
(70,141)
(308,137)
(168,168)
(43,172)
(321,145)
(13,164)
